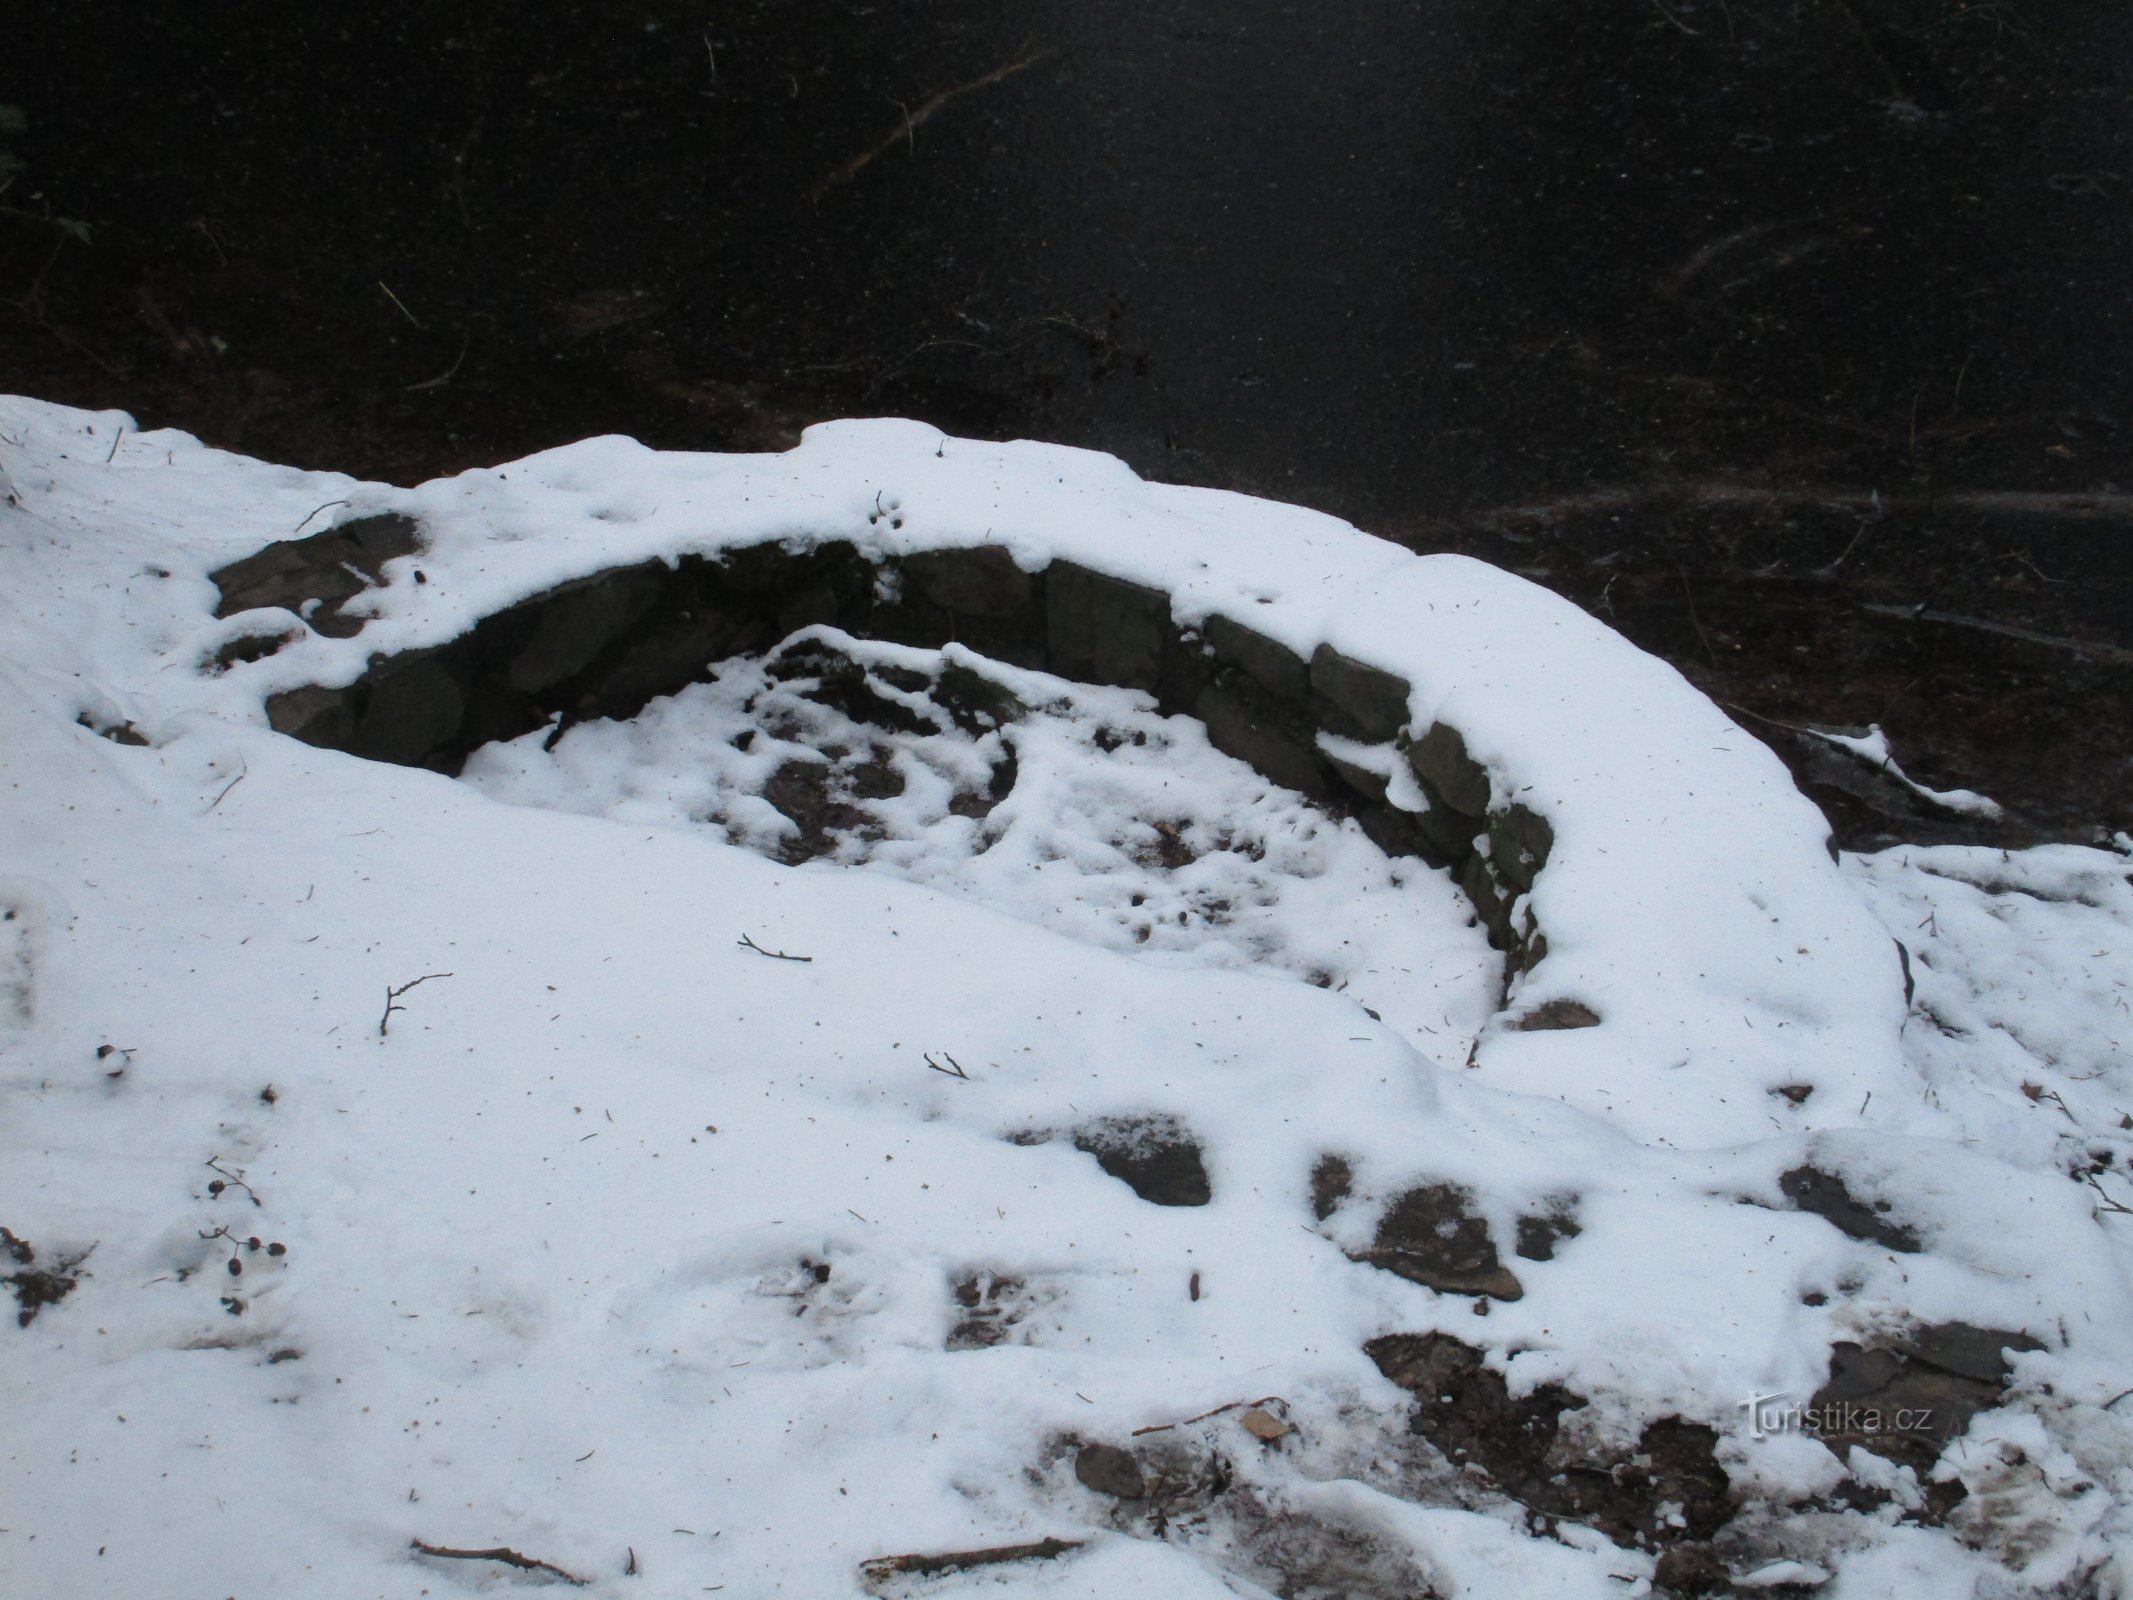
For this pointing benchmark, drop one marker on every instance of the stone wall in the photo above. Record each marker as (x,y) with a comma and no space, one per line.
(604,645)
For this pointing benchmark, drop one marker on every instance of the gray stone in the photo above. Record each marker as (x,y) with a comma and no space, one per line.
(1372,700)
(577,622)
(1440,760)
(1274,667)
(1109,1470)
(322,717)
(1257,741)
(1905,1406)
(1430,1236)
(1826,1196)
(1491,903)
(1104,629)
(1372,786)
(411,708)
(982,581)
(1154,1156)
(294,572)
(1520,840)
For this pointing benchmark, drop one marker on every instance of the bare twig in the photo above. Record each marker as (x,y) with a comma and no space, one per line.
(1234,1405)
(117,439)
(226,788)
(962,1560)
(392,996)
(775,955)
(908,127)
(328,506)
(509,1558)
(954,1069)
(229,1179)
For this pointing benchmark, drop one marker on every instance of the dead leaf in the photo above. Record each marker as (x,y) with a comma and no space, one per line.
(1263,1424)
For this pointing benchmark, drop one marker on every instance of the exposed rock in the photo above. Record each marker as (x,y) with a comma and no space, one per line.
(1371,701)
(1555,1015)
(1824,1194)
(1430,1236)
(1109,1470)
(1105,629)
(1155,1157)
(1260,743)
(1539,1235)
(1331,1181)
(1447,773)
(411,707)
(1491,899)
(978,581)
(1519,841)
(1274,667)
(1670,1490)
(1907,1400)
(574,624)
(974,702)
(250,647)
(330,567)
(1372,786)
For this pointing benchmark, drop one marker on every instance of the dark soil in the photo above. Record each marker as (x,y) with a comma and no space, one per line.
(1793,340)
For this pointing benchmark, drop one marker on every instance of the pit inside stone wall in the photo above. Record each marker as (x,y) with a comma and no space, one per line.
(1331,728)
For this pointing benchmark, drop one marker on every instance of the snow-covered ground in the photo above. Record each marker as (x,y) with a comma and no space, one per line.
(653,1255)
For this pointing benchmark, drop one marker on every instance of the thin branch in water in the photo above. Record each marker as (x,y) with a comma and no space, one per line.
(747,943)
(907,130)
(466,337)
(401,307)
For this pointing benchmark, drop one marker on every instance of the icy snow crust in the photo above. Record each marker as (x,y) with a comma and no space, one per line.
(554,1246)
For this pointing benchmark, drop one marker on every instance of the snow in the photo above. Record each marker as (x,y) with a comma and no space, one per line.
(625,1243)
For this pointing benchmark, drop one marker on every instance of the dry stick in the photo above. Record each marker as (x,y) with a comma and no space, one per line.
(962,1560)
(328,506)
(393,995)
(775,955)
(851,169)
(510,1558)
(1165,1427)
(117,439)
(954,1069)
(226,788)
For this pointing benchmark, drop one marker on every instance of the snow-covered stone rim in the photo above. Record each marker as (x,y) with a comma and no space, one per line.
(1665,897)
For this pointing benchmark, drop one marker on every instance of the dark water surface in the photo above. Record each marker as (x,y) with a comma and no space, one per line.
(1794,338)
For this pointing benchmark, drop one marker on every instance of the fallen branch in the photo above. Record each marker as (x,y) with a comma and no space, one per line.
(392,997)
(775,955)
(954,1069)
(1234,1405)
(509,1558)
(882,1567)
